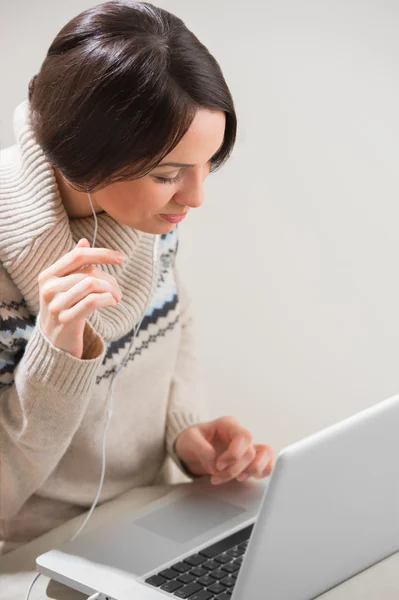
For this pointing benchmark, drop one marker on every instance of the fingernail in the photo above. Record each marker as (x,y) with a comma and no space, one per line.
(242,477)
(216,480)
(120,256)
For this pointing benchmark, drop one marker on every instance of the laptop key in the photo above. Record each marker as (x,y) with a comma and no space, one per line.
(195,560)
(182,567)
(218,573)
(210,565)
(168,573)
(223,597)
(188,590)
(223,558)
(235,552)
(228,581)
(206,580)
(198,572)
(186,578)
(216,588)
(230,567)
(228,542)
(172,586)
(156,580)
(203,595)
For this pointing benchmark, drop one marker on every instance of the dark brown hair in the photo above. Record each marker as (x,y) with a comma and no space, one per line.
(119,88)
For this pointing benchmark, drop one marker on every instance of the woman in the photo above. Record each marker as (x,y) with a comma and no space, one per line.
(126,118)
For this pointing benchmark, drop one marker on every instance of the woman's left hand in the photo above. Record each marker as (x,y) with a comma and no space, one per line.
(223,449)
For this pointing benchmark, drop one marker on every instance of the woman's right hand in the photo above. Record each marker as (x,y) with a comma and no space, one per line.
(70,291)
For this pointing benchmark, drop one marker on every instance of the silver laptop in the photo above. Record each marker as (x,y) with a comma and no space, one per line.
(329,510)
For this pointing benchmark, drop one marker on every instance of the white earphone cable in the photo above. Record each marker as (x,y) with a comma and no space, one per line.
(110,400)
(118,368)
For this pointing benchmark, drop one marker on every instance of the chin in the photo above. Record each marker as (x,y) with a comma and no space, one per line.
(158,227)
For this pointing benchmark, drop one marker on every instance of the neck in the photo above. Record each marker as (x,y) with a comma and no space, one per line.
(76,203)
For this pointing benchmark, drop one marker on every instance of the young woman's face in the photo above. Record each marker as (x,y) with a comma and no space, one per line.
(156,202)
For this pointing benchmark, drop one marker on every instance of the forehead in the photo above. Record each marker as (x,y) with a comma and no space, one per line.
(202,140)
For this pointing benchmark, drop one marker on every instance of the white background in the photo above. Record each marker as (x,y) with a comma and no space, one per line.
(292,261)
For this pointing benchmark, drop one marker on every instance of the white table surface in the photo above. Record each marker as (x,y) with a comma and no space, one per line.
(17,568)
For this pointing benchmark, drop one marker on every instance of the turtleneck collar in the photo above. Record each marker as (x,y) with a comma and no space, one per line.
(35,231)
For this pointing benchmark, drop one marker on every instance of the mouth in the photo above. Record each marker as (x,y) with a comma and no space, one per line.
(174,218)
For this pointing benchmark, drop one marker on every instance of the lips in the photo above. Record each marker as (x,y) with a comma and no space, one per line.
(174,218)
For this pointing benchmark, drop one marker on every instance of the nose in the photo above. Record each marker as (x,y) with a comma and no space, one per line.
(193,198)
(191,194)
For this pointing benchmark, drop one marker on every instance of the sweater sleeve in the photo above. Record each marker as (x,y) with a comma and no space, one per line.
(186,405)
(44,393)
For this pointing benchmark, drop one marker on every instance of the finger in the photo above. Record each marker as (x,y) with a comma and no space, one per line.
(80,256)
(88,285)
(269,467)
(49,284)
(226,428)
(101,274)
(262,464)
(86,307)
(202,450)
(236,469)
(239,445)
(63,284)
(55,285)
(83,243)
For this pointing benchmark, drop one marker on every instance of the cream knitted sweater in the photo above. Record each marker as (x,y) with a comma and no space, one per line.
(52,405)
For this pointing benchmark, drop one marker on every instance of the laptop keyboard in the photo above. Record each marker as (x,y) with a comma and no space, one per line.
(208,575)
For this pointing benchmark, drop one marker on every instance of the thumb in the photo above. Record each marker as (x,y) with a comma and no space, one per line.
(89,268)
(83,243)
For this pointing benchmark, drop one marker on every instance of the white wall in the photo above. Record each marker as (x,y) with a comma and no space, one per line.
(293,259)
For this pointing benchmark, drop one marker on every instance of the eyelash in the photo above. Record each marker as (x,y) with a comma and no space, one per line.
(167,179)
(173,180)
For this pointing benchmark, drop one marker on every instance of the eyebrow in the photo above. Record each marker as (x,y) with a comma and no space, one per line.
(173,164)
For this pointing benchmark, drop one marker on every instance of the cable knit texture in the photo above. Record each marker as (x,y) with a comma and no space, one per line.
(53,405)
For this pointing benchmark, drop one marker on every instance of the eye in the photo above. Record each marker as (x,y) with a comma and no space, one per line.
(169,180)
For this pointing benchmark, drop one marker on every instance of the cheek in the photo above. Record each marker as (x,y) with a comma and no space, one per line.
(135,199)
(156,196)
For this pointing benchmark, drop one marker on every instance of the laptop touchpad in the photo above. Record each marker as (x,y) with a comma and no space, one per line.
(187,518)
(138,545)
